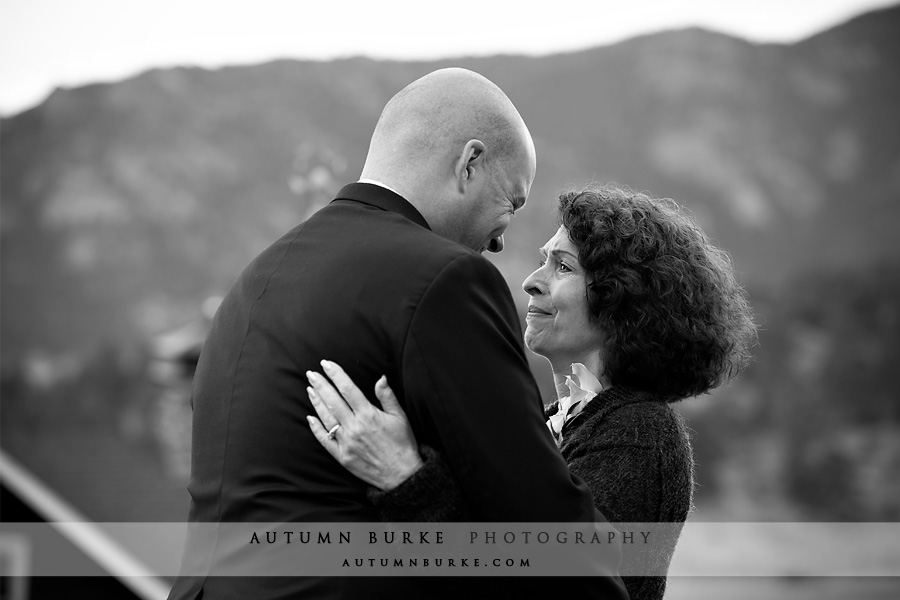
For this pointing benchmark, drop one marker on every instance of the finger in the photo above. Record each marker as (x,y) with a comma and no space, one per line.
(324,414)
(349,390)
(385,395)
(330,396)
(321,435)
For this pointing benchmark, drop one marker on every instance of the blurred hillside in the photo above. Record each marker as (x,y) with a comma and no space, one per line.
(125,205)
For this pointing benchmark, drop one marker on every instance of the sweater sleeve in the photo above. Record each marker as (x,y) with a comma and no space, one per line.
(428,495)
(624,480)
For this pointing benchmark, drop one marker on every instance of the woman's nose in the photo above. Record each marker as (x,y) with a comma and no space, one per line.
(533,285)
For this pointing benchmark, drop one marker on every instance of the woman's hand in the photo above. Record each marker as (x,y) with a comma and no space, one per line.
(377,446)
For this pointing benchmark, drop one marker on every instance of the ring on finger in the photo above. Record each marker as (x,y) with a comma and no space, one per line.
(333,431)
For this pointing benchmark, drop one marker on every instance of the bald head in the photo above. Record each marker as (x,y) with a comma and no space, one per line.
(423,133)
(443,109)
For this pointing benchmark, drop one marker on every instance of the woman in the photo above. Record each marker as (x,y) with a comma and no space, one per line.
(635,310)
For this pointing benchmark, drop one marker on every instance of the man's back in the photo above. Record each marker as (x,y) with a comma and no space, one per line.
(341,286)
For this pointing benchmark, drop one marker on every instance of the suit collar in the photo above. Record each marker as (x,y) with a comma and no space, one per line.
(383,198)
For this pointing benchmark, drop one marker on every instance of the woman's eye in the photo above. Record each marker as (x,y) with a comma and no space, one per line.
(564,267)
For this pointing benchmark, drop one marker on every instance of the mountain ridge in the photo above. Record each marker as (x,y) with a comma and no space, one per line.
(126,204)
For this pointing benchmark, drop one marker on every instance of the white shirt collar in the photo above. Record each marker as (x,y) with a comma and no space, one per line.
(379,184)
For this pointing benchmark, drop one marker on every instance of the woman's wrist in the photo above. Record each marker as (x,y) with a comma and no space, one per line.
(430,494)
(408,464)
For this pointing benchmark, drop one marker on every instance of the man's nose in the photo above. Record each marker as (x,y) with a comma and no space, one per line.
(496,244)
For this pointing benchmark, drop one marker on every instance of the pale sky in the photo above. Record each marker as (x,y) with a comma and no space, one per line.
(50,43)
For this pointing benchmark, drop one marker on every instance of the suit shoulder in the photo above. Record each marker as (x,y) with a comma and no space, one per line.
(471,266)
(390,233)
(422,250)
(423,245)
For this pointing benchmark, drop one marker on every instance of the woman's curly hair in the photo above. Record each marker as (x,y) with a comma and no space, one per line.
(676,321)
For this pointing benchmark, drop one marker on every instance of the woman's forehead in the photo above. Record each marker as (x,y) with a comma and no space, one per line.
(560,241)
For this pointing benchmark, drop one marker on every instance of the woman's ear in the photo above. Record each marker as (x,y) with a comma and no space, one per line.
(469,161)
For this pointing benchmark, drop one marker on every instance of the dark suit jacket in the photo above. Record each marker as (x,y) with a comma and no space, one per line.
(364,282)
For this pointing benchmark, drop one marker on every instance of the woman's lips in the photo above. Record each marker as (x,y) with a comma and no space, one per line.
(534,311)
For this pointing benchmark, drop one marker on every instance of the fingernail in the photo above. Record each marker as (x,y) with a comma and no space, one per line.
(311,375)
(311,392)
(327,365)
(382,382)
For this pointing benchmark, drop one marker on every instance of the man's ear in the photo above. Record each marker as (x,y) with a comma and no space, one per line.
(469,161)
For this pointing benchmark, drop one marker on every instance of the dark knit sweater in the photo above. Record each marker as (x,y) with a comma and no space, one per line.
(629,447)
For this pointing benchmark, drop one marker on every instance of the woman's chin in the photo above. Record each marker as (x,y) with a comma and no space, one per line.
(534,346)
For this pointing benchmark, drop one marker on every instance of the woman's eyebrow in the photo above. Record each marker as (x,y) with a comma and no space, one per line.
(558,252)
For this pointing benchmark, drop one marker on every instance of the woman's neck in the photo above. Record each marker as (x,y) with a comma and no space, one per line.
(563,368)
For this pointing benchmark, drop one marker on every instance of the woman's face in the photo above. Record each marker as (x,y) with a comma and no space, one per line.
(558,325)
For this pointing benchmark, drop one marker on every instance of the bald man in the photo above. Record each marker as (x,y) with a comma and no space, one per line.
(386,280)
